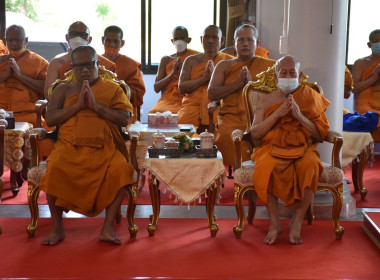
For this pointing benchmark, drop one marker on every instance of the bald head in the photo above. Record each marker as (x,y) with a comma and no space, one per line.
(15,38)
(78,25)
(287,61)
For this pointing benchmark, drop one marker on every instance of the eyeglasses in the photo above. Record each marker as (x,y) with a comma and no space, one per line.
(74,34)
(89,65)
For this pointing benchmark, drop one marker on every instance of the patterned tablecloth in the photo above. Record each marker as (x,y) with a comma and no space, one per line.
(353,144)
(187,178)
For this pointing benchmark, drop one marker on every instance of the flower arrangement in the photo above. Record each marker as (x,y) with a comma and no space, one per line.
(185,142)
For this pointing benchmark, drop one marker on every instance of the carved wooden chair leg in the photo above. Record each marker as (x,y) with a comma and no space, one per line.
(230,172)
(358,165)
(252,200)
(337,193)
(132,198)
(33,193)
(238,197)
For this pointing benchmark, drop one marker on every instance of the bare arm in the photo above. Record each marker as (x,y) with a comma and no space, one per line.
(34,84)
(162,78)
(260,126)
(186,85)
(217,90)
(52,75)
(55,113)
(357,72)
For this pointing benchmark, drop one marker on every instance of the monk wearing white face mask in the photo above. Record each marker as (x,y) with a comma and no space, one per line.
(78,35)
(169,71)
(288,124)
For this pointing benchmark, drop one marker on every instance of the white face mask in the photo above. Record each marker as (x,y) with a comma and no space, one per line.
(287,85)
(77,42)
(375,48)
(180,45)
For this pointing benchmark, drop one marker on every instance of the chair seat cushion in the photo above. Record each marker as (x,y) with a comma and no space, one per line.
(330,176)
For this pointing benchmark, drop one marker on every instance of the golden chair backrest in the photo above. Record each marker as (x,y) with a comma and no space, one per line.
(264,84)
(103,72)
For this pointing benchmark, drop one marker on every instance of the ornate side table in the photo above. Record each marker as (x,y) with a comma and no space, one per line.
(17,148)
(187,178)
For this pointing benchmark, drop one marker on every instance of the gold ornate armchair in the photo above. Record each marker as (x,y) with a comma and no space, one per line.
(38,168)
(331,179)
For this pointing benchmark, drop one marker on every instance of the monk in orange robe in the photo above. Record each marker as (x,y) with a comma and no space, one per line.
(287,125)
(78,35)
(168,74)
(3,48)
(86,171)
(22,77)
(127,69)
(366,76)
(195,76)
(227,83)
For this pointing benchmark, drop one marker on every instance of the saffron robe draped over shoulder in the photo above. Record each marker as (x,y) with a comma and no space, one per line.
(194,108)
(286,160)
(369,99)
(260,51)
(171,98)
(17,97)
(232,112)
(3,48)
(85,170)
(129,71)
(108,64)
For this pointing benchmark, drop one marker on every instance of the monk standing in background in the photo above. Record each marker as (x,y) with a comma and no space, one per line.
(366,76)
(195,76)
(22,76)
(77,35)
(260,51)
(288,124)
(86,172)
(168,73)
(3,48)
(227,83)
(127,69)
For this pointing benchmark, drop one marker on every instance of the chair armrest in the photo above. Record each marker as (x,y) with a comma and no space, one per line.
(40,108)
(211,109)
(336,139)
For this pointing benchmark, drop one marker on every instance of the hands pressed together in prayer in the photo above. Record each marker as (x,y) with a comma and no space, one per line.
(86,97)
(13,70)
(177,66)
(208,70)
(376,71)
(244,76)
(289,106)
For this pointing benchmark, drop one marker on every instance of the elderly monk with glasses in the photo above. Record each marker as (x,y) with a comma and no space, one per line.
(86,172)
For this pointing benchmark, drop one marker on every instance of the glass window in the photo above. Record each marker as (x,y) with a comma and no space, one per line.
(53,17)
(364,17)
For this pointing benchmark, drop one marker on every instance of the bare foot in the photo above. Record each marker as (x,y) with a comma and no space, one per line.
(274,231)
(54,237)
(295,232)
(109,237)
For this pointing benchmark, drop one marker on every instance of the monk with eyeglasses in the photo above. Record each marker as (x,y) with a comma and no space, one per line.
(78,35)
(86,172)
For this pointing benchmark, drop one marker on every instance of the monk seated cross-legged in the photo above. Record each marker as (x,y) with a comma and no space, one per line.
(87,171)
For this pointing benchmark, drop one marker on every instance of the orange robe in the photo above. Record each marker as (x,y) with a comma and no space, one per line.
(3,48)
(194,108)
(85,170)
(348,82)
(108,64)
(171,98)
(260,51)
(14,95)
(286,162)
(232,112)
(129,71)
